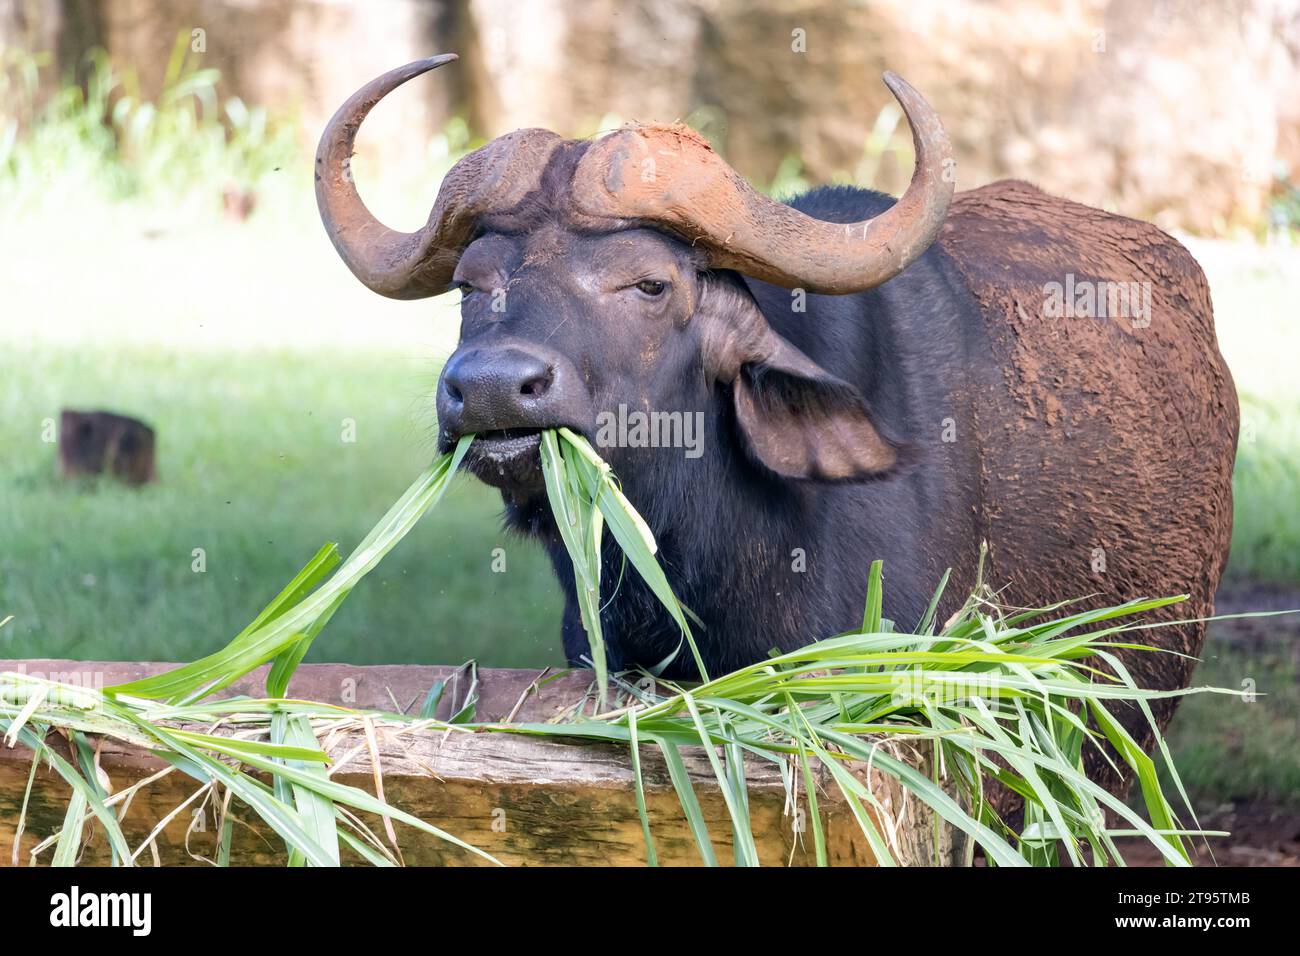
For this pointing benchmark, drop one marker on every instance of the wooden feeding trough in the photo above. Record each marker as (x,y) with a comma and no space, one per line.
(526,800)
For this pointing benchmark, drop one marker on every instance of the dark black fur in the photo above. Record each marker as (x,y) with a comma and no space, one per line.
(728,529)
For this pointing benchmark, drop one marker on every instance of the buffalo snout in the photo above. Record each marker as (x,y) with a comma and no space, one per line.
(511,387)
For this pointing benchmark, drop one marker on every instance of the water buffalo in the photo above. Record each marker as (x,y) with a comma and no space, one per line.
(871,379)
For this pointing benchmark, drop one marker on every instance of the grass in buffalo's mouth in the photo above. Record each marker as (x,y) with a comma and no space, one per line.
(584,499)
(994,696)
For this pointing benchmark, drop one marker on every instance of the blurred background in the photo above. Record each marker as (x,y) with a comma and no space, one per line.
(161,257)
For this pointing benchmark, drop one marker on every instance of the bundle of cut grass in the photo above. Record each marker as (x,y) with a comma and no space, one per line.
(992,698)
(997,697)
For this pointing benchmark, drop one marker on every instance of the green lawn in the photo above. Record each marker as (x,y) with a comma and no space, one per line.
(1227,749)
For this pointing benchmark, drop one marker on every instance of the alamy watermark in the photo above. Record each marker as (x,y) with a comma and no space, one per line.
(75,908)
(80,689)
(637,429)
(1088,299)
(916,688)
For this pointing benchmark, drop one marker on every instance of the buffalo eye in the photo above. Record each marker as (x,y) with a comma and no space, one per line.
(651,287)
(465,288)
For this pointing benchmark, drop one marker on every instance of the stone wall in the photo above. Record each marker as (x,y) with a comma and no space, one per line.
(1176,111)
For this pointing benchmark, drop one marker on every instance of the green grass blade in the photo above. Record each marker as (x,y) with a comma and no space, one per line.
(634,745)
(72,832)
(875,598)
(78,785)
(256,647)
(317,811)
(686,796)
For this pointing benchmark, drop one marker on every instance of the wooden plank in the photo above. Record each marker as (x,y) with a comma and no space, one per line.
(526,800)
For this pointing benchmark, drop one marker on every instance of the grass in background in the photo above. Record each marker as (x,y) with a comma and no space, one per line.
(1243,750)
(1254,290)
(254,471)
(103,141)
(246,346)
(1266,488)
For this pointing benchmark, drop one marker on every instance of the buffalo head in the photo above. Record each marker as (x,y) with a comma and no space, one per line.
(612,273)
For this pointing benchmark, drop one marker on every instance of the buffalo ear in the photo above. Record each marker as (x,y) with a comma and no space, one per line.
(802,422)
(798,419)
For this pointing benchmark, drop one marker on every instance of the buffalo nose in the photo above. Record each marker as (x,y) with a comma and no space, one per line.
(497,377)
(487,389)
